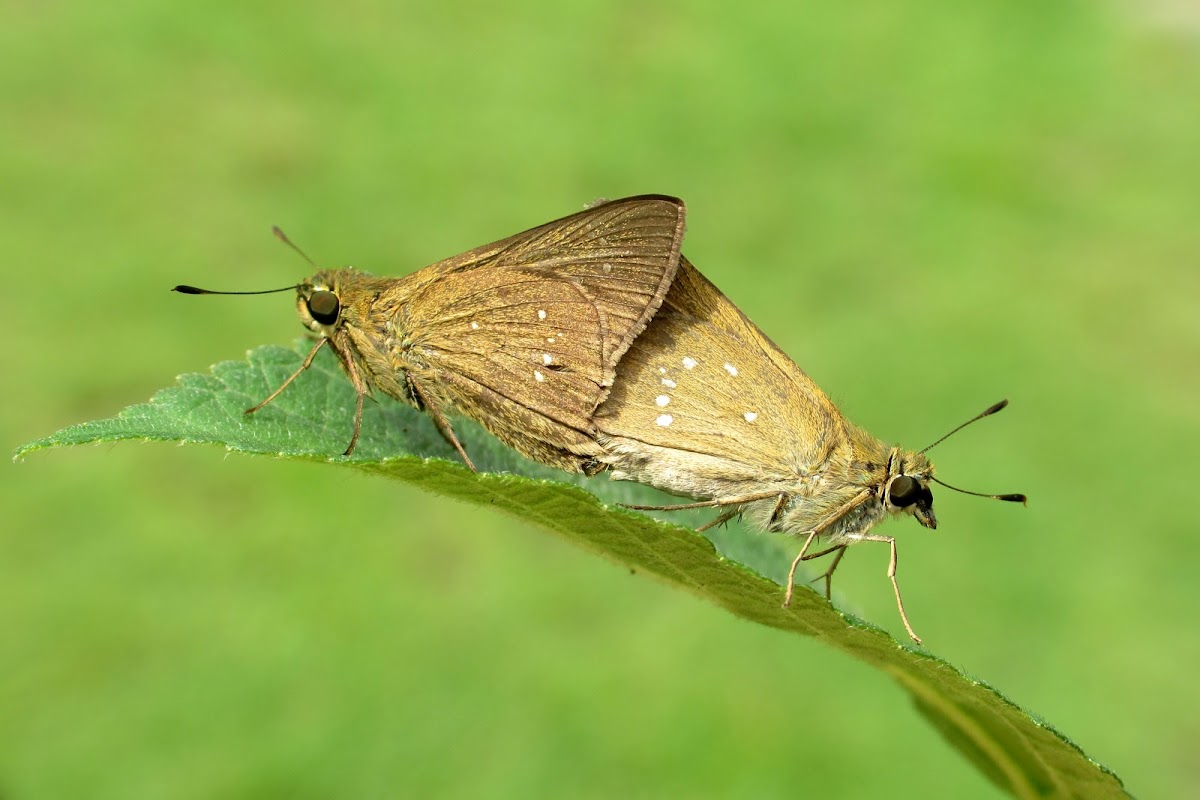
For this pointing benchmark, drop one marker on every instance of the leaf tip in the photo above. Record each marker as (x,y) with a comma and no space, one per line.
(19,454)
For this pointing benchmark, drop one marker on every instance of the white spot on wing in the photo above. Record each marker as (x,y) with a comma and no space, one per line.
(662,400)
(750,416)
(549,340)
(689,362)
(670,384)
(474,326)
(731,369)
(664,420)
(662,370)
(541,313)
(538,376)
(547,359)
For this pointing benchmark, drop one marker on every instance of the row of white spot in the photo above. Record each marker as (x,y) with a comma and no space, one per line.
(663,400)
(547,359)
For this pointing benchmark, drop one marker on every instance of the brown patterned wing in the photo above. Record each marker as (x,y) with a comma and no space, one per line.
(524,335)
(623,254)
(705,404)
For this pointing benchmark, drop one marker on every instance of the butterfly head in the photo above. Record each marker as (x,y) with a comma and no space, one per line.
(319,302)
(907,488)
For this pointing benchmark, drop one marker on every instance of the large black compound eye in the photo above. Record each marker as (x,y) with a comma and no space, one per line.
(324,306)
(904,491)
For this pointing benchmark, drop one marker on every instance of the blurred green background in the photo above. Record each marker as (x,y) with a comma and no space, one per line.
(930,205)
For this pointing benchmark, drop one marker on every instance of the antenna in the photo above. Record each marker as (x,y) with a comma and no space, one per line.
(1011,498)
(182,289)
(976,418)
(281,236)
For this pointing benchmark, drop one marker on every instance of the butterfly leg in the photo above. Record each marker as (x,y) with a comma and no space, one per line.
(892,576)
(440,421)
(791,581)
(721,501)
(360,389)
(840,549)
(842,510)
(736,502)
(307,363)
(728,515)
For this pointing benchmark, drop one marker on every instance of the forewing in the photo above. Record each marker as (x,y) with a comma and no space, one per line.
(623,254)
(507,336)
(704,380)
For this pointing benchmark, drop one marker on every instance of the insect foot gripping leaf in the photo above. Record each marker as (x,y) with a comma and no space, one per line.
(705,405)
(523,335)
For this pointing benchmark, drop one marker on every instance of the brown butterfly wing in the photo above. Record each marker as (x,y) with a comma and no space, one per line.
(623,253)
(707,405)
(524,334)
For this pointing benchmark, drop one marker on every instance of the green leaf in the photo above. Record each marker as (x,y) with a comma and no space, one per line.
(314,418)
